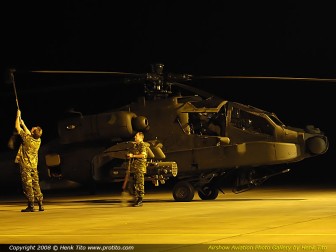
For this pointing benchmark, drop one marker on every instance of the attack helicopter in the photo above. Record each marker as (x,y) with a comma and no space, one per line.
(199,141)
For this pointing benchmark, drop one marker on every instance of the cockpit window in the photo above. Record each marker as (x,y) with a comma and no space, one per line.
(250,122)
(276,120)
(210,124)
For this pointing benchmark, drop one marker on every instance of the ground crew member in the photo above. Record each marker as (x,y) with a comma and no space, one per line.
(138,167)
(27,158)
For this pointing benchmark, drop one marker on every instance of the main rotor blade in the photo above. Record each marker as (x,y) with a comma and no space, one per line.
(84,72)
(267,78)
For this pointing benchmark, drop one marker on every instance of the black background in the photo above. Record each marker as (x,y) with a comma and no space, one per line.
(259,38)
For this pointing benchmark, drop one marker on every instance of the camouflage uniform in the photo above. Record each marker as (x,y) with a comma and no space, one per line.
(138,168)
(27,158)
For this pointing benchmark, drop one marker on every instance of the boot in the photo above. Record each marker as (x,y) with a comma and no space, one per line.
(138,203)
(30,207)
(40,204)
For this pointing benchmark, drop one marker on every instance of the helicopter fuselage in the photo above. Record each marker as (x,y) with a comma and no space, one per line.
(198,142)
(216,133)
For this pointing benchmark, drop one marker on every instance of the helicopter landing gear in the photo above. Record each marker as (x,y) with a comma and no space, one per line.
(183,191)
(208,192)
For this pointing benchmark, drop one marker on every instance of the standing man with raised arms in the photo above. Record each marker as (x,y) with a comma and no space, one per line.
(27,158)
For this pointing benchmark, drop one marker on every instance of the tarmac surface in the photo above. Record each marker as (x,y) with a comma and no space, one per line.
(267,218)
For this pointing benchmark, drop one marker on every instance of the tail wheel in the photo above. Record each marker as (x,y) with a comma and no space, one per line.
(208,192)
(183,191)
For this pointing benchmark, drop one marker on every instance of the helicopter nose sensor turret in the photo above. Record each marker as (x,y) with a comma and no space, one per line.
(317,145)
(316,142)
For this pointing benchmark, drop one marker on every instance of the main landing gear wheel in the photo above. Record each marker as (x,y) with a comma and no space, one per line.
(183,191)
(208,192)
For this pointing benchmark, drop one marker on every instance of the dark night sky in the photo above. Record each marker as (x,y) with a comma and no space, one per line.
(225,37)
(264,38)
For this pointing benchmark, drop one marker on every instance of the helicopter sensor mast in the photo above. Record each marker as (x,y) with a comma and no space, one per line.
(155,81)
(159,85)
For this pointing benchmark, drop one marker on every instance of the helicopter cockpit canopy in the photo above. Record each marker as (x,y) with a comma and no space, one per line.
(210,105)
(200,115)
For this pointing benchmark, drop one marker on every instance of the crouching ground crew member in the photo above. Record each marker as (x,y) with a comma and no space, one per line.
(138,168)
(27,158)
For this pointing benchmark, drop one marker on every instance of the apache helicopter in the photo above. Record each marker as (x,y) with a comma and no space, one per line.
(199,141)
